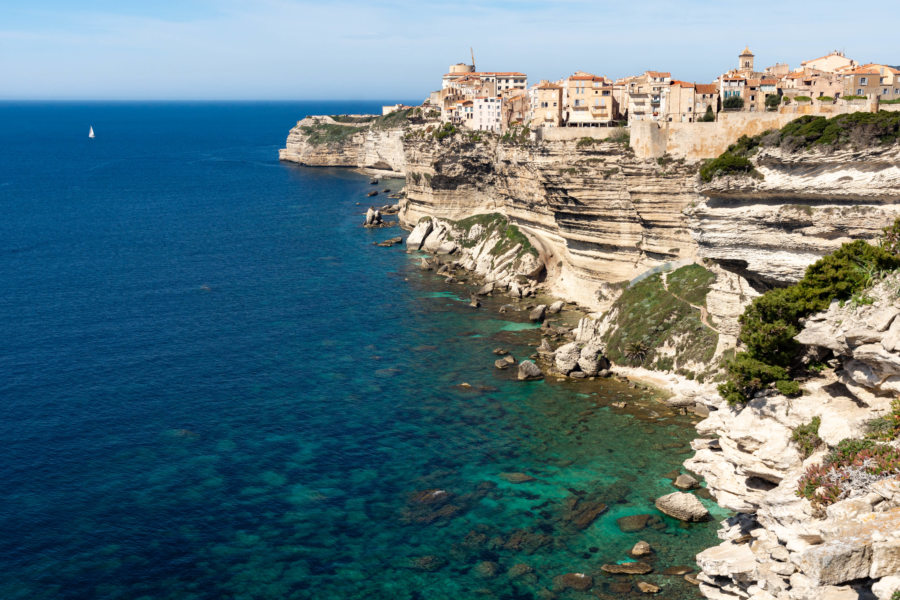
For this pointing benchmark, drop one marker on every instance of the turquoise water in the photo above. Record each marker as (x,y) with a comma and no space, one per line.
(215,386)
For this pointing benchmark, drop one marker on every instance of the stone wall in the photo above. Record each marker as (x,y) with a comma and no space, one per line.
(557,134)
(696,141)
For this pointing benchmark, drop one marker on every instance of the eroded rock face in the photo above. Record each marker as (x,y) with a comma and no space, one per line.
(805,206)
(781,544)
(365,146)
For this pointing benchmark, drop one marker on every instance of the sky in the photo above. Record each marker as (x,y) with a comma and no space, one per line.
(397,50)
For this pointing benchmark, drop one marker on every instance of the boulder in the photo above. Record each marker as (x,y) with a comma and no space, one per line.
(628,568)
(373,217)
(538,313)
(642,548)
(682,506)
(836,561)
(417,236)
(566,357)
(885,588)
(591,360)
(647,588)
(529,371)
(486,289)
(486,569)
(685,482)
(885,558)
(505,362)
(555,307)
(518,570)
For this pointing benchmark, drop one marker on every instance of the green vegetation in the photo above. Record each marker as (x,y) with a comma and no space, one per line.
(786,99)
(647,317)
(709,116)
(398,118)
(447,130)
(329,133)
(802,99)
(772,101)
(894,101)
(733,103)
(726,164)
(769,324)
(691,283)
(517,135)
(621,136)
(886,428)
(586,141)
(353,118)
(510,235)
(853,97)
(849,470)
(826,99)
(807,437)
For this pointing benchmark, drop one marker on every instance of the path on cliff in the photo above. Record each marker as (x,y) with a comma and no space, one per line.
(704,314)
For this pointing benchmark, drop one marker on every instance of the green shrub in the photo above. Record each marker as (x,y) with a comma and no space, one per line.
(328,133)
(621,136)
(725,164)
(826,99)
(853,97)
(709,116)
(445,131)
(807,437)
(733,103)
(772,101)
(886,428)
(769,324)
(894,101)
(802,99)
(788,388)
(786,99)
(585,142)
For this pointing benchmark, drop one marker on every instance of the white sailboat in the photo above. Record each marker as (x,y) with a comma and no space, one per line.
(91,132)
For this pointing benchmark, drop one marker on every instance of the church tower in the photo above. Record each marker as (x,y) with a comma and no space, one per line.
(745,61)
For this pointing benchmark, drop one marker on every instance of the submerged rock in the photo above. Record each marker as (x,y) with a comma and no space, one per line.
(682,506)
(529,371)
(685,482)
(575,581)
(517,477)
(505,362)
(628,568)
(555,307)
(429,562)
(632,523)
(642,548)
(647,588)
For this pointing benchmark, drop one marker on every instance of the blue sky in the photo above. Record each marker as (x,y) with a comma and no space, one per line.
(297,49)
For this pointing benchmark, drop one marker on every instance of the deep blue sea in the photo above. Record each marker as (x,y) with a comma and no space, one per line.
(213,385)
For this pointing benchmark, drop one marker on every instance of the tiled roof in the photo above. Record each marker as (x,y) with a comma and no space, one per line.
(548,86)
(706,88)
(659,74)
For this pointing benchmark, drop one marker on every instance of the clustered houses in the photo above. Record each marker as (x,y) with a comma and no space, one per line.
(495,101)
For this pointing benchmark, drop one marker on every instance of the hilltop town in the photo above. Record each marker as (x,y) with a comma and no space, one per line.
(497,101)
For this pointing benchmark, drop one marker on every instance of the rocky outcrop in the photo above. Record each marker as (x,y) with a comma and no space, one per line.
(780,545)
(805,205)
(320,141)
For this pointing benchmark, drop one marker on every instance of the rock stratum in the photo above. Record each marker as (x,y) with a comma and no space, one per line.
(595,217)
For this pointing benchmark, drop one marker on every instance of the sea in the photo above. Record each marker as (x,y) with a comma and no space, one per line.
(213,385)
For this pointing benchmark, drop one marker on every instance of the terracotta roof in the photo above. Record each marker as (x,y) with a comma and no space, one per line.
(659,74)
(746,51)
(768,81)
(863,71)
(548,86)
(821,57)
(795,75)
(706,88)
(586,78)
(683,84)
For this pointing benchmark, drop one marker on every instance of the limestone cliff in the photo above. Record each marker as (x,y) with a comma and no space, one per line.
(802,205)
(782,545)
(361,141)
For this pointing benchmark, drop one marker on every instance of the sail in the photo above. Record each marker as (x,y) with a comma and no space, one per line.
(91,132)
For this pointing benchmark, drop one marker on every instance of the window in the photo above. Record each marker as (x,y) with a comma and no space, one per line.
(859,92)
(863,81)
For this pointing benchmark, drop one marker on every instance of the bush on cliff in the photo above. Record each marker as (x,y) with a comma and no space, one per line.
(726,164)
(733,103)
(849,471)
(769,324)
(328,133)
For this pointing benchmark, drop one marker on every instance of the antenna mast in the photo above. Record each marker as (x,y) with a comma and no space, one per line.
(473,57)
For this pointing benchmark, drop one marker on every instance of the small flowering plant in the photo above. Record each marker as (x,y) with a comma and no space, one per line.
(848,471)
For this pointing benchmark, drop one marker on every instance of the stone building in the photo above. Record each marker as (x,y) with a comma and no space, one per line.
(546,104)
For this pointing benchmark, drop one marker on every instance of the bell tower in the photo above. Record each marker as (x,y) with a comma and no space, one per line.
(745,61)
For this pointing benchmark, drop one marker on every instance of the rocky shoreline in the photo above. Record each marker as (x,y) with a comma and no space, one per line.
(579,217)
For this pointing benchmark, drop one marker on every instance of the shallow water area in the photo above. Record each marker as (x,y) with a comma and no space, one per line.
(216,386)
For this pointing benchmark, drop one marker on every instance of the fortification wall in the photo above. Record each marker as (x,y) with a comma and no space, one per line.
(696,141)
